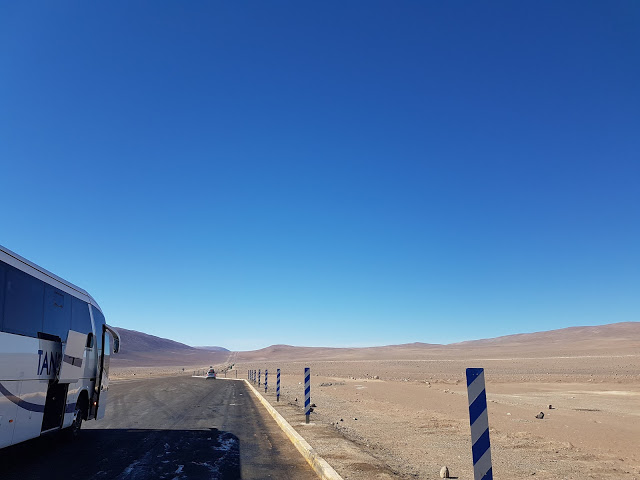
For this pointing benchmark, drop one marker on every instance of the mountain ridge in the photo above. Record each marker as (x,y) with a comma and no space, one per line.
(142,349)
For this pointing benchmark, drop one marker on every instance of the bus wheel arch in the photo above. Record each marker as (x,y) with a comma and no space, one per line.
(81,412)
(82,405)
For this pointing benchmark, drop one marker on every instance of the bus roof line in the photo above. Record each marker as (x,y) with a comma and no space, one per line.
(51,276)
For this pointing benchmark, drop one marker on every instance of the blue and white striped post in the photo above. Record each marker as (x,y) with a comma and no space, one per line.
(266,379)
(479,419)
(259,377)
(307,393)
(278,386)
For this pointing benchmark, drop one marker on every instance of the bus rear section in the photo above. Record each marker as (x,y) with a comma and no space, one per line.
(54,353)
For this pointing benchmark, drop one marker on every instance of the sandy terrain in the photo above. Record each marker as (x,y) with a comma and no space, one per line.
(413,418)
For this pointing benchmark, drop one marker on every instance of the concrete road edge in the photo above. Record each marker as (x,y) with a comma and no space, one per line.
(319,464)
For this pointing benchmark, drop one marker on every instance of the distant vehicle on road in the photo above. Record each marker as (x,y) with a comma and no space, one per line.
(211,373)
(54,353)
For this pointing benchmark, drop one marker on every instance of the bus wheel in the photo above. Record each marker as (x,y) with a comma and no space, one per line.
(74,429)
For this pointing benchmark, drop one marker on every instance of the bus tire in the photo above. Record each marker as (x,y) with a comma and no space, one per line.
(74,430)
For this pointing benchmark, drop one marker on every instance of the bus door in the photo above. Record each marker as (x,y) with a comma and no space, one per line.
(102,385)
(109,335)
(68,371)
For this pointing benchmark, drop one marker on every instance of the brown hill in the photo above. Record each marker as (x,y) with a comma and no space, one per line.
(612,339)
(142,350)
(139,349)
(615,338)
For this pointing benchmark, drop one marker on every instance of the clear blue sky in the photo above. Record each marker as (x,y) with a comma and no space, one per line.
(331,173)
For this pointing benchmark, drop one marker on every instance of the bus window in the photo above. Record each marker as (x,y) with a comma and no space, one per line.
(80,319)
(98,318)
(57,312)
(23,303)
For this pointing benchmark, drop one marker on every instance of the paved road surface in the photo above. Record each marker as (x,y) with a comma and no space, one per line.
(180,428)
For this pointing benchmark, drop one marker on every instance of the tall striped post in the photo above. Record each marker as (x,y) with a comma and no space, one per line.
(307,393)
(479,420)
(258,377)
(278,385)
(266,379)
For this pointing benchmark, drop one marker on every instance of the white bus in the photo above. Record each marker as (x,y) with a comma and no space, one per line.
(54,353)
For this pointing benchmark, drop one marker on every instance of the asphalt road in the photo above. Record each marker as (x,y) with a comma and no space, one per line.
(167,428)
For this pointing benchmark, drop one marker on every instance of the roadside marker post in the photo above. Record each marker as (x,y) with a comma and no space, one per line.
(278,385)
(479,420)
(259,377)
(266,379)
(307,393)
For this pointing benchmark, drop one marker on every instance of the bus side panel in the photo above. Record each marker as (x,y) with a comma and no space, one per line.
(8,412)
(31,410)
(20,356)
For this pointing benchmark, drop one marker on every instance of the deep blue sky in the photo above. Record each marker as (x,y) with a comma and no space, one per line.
(336,173)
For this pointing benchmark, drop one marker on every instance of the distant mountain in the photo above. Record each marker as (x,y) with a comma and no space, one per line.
(623,331)
(142,342)
(214,349)
(612,339)
(142,350)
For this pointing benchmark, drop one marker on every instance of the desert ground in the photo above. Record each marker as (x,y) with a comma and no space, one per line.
(404,418)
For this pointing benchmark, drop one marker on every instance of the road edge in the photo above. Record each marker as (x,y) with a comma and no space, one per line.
(317,463)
